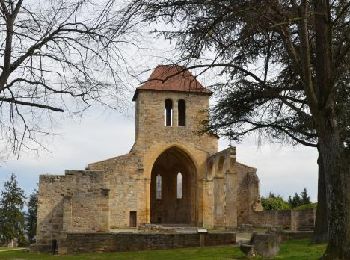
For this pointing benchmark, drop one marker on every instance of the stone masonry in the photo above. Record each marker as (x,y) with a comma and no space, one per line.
(143,186)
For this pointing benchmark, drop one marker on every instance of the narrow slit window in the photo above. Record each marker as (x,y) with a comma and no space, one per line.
(158,187)
(168,112)
(182,112)
(179,186)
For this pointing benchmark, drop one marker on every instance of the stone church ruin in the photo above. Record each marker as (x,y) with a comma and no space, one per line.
(172,176)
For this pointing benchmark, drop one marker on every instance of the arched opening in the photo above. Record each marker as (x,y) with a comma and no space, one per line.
(168,112)
(221,166)
(178,188)
(182,112)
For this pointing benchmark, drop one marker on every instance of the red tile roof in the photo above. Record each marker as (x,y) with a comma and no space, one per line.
(172,78)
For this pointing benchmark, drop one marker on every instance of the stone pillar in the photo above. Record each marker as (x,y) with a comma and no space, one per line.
(175,112)
(208,203)
(294,220)
(67,213)
(231,199)
(219,201)
(104,219)
(147,191)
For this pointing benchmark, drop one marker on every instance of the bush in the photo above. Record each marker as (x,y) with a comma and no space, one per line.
(274,202)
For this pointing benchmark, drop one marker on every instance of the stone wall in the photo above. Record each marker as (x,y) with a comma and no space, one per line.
(296,220)
(150,121)
(248,192)
(220,190)
(77,201)
(113,242)
(109,194)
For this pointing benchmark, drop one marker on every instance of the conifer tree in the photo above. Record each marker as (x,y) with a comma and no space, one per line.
(11,211)
(31,216)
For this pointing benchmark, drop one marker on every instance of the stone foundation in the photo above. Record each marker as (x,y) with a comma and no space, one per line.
(116,242)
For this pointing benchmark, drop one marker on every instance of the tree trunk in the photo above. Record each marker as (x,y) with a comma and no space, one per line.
(337,177)
(321,226)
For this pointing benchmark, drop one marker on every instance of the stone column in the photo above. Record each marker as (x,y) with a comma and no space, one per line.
(147,191)
(219,201)
(208,203)
(231,199)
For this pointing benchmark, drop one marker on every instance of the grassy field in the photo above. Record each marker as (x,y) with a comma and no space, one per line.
(296,249)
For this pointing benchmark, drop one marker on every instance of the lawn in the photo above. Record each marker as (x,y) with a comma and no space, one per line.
(295,249)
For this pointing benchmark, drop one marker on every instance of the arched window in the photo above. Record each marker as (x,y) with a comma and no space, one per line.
(182,112)
(179,186)
(158,187)
(168,112)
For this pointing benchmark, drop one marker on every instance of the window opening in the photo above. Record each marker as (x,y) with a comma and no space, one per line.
(182,112)
(179,186)
(168,112)
(158,187)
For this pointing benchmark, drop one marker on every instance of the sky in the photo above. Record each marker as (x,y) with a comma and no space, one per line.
(102,133)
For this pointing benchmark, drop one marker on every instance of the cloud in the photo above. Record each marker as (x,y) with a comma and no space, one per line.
(281,169)
(97,137)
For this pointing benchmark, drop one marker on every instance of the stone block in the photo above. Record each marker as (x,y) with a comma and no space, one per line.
(266,245)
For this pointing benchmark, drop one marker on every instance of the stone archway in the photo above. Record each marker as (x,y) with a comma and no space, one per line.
(173,202)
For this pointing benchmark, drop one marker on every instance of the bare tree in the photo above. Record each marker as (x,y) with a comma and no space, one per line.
(57,55)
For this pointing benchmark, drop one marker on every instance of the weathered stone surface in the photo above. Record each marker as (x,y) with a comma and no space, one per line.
(248,250)
(266,245)
(109,242)
(296,220)
(218,192)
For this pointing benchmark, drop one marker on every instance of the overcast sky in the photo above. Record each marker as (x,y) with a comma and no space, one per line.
(102,134)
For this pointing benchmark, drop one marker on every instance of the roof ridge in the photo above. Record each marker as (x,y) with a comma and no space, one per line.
(172,78)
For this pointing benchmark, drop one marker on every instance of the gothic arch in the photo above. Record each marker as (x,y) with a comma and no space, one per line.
(170,209)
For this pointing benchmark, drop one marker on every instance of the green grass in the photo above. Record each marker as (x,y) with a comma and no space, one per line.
(295,249)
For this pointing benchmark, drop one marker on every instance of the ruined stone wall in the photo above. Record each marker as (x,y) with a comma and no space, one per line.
(303,220)
(248,193)
(220,193)
(50,208)
(268,218)
(296,220)
(76,201)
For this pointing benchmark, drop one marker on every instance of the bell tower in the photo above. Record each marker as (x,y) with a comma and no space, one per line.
(171,107)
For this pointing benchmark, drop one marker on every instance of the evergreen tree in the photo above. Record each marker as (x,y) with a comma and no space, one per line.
(31,216)
(305,199)
(295,201)
(11,211)
(299,200)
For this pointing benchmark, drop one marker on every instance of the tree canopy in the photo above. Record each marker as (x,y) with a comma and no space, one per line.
(274,202)
(286,65)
